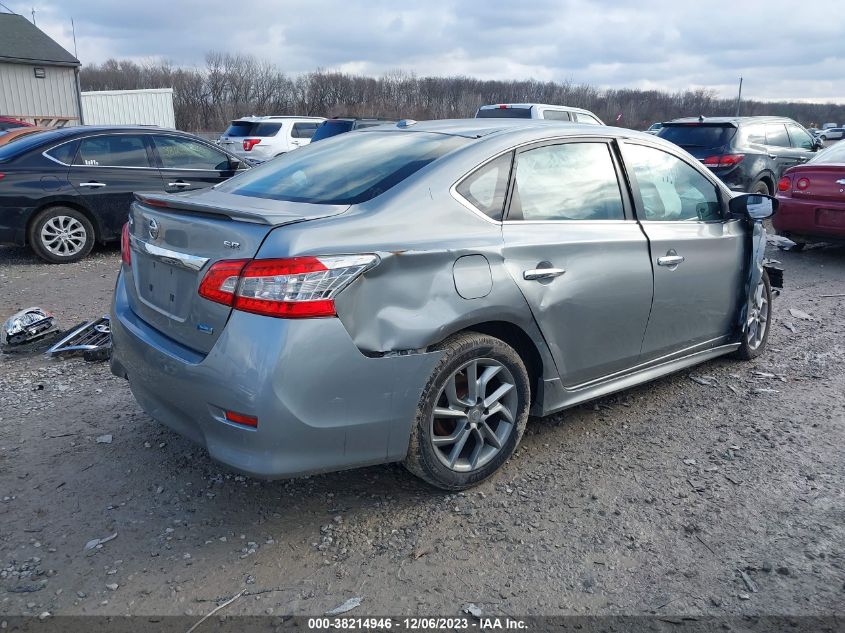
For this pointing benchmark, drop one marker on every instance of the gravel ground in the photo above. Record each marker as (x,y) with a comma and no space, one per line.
(717,491)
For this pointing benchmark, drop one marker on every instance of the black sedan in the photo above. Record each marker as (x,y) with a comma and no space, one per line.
(63,190)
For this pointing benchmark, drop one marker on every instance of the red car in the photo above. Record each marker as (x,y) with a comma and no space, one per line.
(8,123)
(812,199)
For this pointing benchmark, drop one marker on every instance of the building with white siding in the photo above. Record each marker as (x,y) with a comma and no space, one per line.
(39,80)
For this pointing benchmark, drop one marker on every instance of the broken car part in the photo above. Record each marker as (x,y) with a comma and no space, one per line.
(91,338)
(27,326)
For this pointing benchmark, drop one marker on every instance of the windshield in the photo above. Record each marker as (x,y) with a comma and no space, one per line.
(331,128)
(696,135)
(503,113)
(252,128)
(834,155)
(349,169)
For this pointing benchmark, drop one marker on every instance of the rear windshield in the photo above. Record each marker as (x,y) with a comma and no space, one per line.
(834,155)
(696,135)
(24,144)
(252,128)
(503,113)
(331,128)
(349,169)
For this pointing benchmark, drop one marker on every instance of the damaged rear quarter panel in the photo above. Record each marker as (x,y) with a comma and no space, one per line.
(409,301)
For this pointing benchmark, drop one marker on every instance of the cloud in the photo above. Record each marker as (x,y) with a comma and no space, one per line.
(650,43)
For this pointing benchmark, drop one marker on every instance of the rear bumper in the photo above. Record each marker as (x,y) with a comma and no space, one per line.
(321,404)
(13,221)
(810,218)
(735,178)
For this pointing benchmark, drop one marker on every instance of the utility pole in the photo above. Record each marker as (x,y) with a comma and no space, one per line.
(73,30)
(739,96)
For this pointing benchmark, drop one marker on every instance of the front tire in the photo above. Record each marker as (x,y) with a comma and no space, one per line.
(758,321)
(472,412)
(61,235)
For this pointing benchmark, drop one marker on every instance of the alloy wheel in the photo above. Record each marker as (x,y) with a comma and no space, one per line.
(474,414)
(758,317)
(63,235)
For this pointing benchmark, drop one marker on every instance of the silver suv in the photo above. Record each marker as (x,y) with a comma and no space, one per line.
(537,111)
(260,138)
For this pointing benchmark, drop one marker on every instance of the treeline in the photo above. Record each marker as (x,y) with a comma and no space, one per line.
(233,85)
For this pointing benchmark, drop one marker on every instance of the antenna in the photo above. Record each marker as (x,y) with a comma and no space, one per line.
(73,30)
(33,16)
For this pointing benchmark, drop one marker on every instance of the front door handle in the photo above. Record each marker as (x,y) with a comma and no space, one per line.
(92,184)
(670,260)
(542,273)
(772,156)
(179,184)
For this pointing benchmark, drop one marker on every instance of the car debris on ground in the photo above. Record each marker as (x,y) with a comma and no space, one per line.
(27,326)
(92,340)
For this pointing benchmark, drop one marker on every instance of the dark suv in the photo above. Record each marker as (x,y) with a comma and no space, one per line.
(746,153)
(339,125)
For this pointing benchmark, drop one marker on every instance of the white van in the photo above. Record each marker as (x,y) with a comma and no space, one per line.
(260,138)
(537,111)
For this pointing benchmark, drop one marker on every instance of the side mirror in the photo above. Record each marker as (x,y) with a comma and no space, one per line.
(753,206)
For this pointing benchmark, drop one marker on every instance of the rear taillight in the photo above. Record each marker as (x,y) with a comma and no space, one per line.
(125,253)
(249,143)
(221,281)
(785,184)
(724,160)
(802,183)
(300,287)
(2,176)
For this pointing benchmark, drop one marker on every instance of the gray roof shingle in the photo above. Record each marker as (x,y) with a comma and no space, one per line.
(23,42)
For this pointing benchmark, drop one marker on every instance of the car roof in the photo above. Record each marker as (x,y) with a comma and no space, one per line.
(493,106)
(273,117)
(478,128)
(732,120)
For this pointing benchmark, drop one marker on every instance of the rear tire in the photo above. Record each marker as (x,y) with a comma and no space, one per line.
(758,322)
(461,435)
(61,235)
(760,187)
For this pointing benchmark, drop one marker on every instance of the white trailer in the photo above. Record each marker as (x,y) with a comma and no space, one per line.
(129,107)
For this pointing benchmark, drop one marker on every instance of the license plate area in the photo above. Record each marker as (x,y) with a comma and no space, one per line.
(830,218)
(166,288)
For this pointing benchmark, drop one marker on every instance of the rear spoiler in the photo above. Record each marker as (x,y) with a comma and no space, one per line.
(237,209)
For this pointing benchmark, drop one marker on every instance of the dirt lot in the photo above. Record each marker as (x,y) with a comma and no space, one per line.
(657,500)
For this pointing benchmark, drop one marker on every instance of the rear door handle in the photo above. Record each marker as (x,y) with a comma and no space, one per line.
(542,273)
(772,156)
(92,184)
(179,184)
(670,260)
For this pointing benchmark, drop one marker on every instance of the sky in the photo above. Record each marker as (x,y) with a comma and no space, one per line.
(782,49)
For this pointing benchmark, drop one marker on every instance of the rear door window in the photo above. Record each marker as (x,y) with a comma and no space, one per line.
(776,135)
(487,187)
(303,129)
(182,153)
(113,150)
(556,115)
(569,181)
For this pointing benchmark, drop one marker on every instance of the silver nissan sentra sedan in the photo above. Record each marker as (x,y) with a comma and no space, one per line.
(413,292)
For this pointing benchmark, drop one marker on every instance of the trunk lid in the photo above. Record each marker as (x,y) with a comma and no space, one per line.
(175,239)
(826,182)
